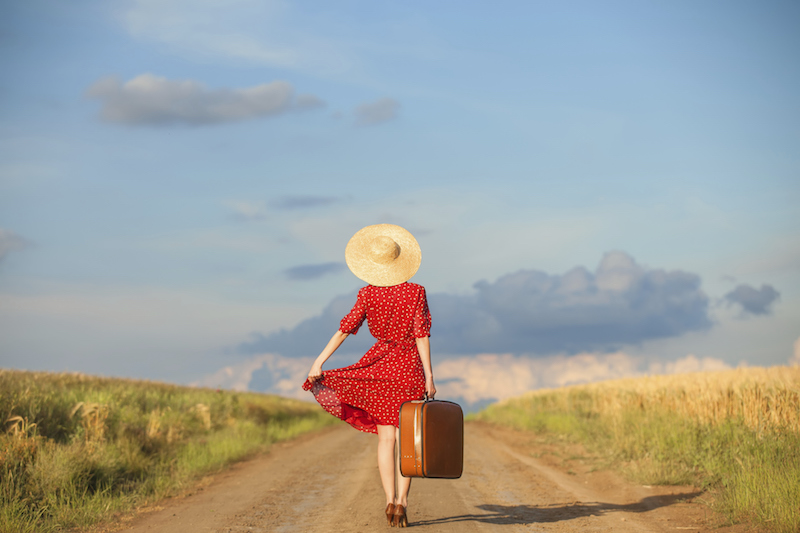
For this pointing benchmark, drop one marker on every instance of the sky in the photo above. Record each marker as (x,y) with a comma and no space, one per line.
(599,189)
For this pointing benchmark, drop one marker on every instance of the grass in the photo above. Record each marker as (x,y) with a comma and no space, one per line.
(78,450)
(736,433)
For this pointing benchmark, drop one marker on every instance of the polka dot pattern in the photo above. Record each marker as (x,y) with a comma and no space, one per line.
(371,391)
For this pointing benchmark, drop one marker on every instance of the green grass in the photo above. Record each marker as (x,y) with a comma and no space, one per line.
(755,475)
(78,450)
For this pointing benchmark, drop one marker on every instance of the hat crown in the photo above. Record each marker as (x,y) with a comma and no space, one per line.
(384,250)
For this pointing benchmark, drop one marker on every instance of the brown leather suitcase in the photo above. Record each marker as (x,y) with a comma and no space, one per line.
(431,439)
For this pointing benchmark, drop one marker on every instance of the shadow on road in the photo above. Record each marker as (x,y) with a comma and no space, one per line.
(531,514)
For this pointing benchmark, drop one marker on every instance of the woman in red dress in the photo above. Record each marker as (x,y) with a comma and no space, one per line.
(397,368)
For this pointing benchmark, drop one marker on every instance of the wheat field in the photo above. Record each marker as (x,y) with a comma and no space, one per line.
(765,399)
(735,433)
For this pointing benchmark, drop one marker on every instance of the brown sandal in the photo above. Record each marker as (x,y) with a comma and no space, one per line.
(390,514)
(400,519)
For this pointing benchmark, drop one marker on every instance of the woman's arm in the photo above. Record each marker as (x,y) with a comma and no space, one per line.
(316,369)
(424,348)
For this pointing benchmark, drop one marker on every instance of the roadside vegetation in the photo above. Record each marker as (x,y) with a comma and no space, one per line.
(735,433)
(76,450)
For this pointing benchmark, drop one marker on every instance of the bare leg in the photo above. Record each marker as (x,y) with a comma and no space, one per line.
(386,462)
(403,483)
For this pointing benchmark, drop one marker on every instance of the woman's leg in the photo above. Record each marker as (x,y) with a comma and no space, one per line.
(386,462)
(403,483)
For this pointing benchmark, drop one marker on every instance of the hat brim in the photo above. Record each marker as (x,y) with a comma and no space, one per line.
(398,271)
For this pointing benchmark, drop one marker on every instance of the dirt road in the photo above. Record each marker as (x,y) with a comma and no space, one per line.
(329,482)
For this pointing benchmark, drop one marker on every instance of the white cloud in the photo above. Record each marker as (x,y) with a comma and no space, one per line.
(235,377)
(499,376)
(688,364)
(10,242)
(795,359)
(149,100)
(377,112)
(276,375)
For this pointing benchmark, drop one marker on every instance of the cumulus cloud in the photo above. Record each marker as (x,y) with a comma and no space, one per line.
(687,365)
(753,301)
(377,112)
(487,378)
(10,242)
(263,373)
(149,100)
(531,312)
(309,272)
(304,201)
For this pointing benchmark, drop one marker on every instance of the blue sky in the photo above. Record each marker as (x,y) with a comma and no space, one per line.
(178,180)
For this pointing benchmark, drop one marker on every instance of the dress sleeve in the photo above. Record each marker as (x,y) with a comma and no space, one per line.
(422,316)
(353,320)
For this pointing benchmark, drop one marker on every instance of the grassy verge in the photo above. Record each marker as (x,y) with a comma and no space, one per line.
(78,449)
(736,433)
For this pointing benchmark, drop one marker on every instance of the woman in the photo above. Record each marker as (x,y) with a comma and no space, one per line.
(397,368)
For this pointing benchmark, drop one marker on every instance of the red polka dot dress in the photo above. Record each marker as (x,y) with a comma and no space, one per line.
(371,391)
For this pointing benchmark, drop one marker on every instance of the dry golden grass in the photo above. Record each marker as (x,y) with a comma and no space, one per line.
(75,449)
(763,398)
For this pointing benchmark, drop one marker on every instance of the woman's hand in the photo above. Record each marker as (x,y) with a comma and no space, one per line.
(430,388)
(424,349)
(315,374)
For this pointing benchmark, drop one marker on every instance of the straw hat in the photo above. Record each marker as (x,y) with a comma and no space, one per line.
(383,255)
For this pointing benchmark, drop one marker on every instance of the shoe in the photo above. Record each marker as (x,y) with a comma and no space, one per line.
(390,514)
(400,519)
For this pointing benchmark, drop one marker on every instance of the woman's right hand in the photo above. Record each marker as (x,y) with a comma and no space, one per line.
(315,374)
(430,388)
